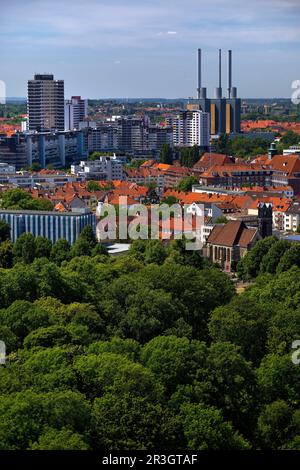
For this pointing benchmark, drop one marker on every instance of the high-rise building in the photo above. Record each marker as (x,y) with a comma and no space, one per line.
(158,136)
(132,134)
(191,128)
(46,103)
(75,112)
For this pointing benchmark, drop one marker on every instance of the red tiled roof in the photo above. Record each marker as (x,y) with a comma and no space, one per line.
(233,233)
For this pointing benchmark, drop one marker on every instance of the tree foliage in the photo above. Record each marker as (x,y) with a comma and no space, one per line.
(150,350)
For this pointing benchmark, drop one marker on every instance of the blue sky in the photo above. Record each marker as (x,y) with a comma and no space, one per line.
(147,48)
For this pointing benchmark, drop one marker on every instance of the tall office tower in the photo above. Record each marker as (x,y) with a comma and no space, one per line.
(132,134)
(191,128)
(225,113)
(75,112)
(46,103)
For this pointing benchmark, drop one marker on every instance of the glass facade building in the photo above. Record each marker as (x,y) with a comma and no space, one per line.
(52,225)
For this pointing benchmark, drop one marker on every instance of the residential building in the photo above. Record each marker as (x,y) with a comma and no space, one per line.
(103,137)
(13,150)
(158,136)
(45,103)
(57,149)
(280,206)
(191,128)
(237,175)
(132,133)
(105,168)
(292,217)
(52,225)
(45,179)
(75,112)
(292,150)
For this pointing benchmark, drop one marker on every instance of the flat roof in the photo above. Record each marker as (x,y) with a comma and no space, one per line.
(29,212)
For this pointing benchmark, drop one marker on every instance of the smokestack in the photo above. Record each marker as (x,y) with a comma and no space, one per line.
(220,68)
(199,73)
(229,73)
(218,90)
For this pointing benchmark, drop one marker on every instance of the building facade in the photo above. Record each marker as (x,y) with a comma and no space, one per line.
(52,225)
(75,112)
(132,134)
(46,103)
(191,128)
(105,168)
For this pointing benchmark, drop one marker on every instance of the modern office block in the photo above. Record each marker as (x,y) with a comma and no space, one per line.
(52,225)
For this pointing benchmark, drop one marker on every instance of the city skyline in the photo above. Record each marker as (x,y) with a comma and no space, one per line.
(107,49)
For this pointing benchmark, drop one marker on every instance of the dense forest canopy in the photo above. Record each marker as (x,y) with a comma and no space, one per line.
(149,350)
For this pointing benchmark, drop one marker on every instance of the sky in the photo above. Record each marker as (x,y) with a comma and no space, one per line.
(148,48)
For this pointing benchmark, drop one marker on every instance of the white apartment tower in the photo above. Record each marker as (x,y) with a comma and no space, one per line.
(191,128)
(75,112)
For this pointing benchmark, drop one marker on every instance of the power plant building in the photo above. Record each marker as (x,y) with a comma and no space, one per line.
(225,112)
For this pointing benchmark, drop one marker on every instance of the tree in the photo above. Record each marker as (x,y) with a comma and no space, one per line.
(189,156)
(170,200)
(48,369)
(20,199)
(60,251)
(174,361)
(271,259)
(290,138)
(24,248)
(4,231)
(290,257)
(155,252)
(6,254)
(205,429)
(229,383)
(108,372)
(249,266)
(166,154)
(126,422)
(43,247)
(22,317)
(35,167)
(273,425)
(25,415)
(87,234)
(279,378)
(243,322)
(64,439)
(81,247)
(222,220)
(93,186)
(125,347)
(187,183)
(99,249)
